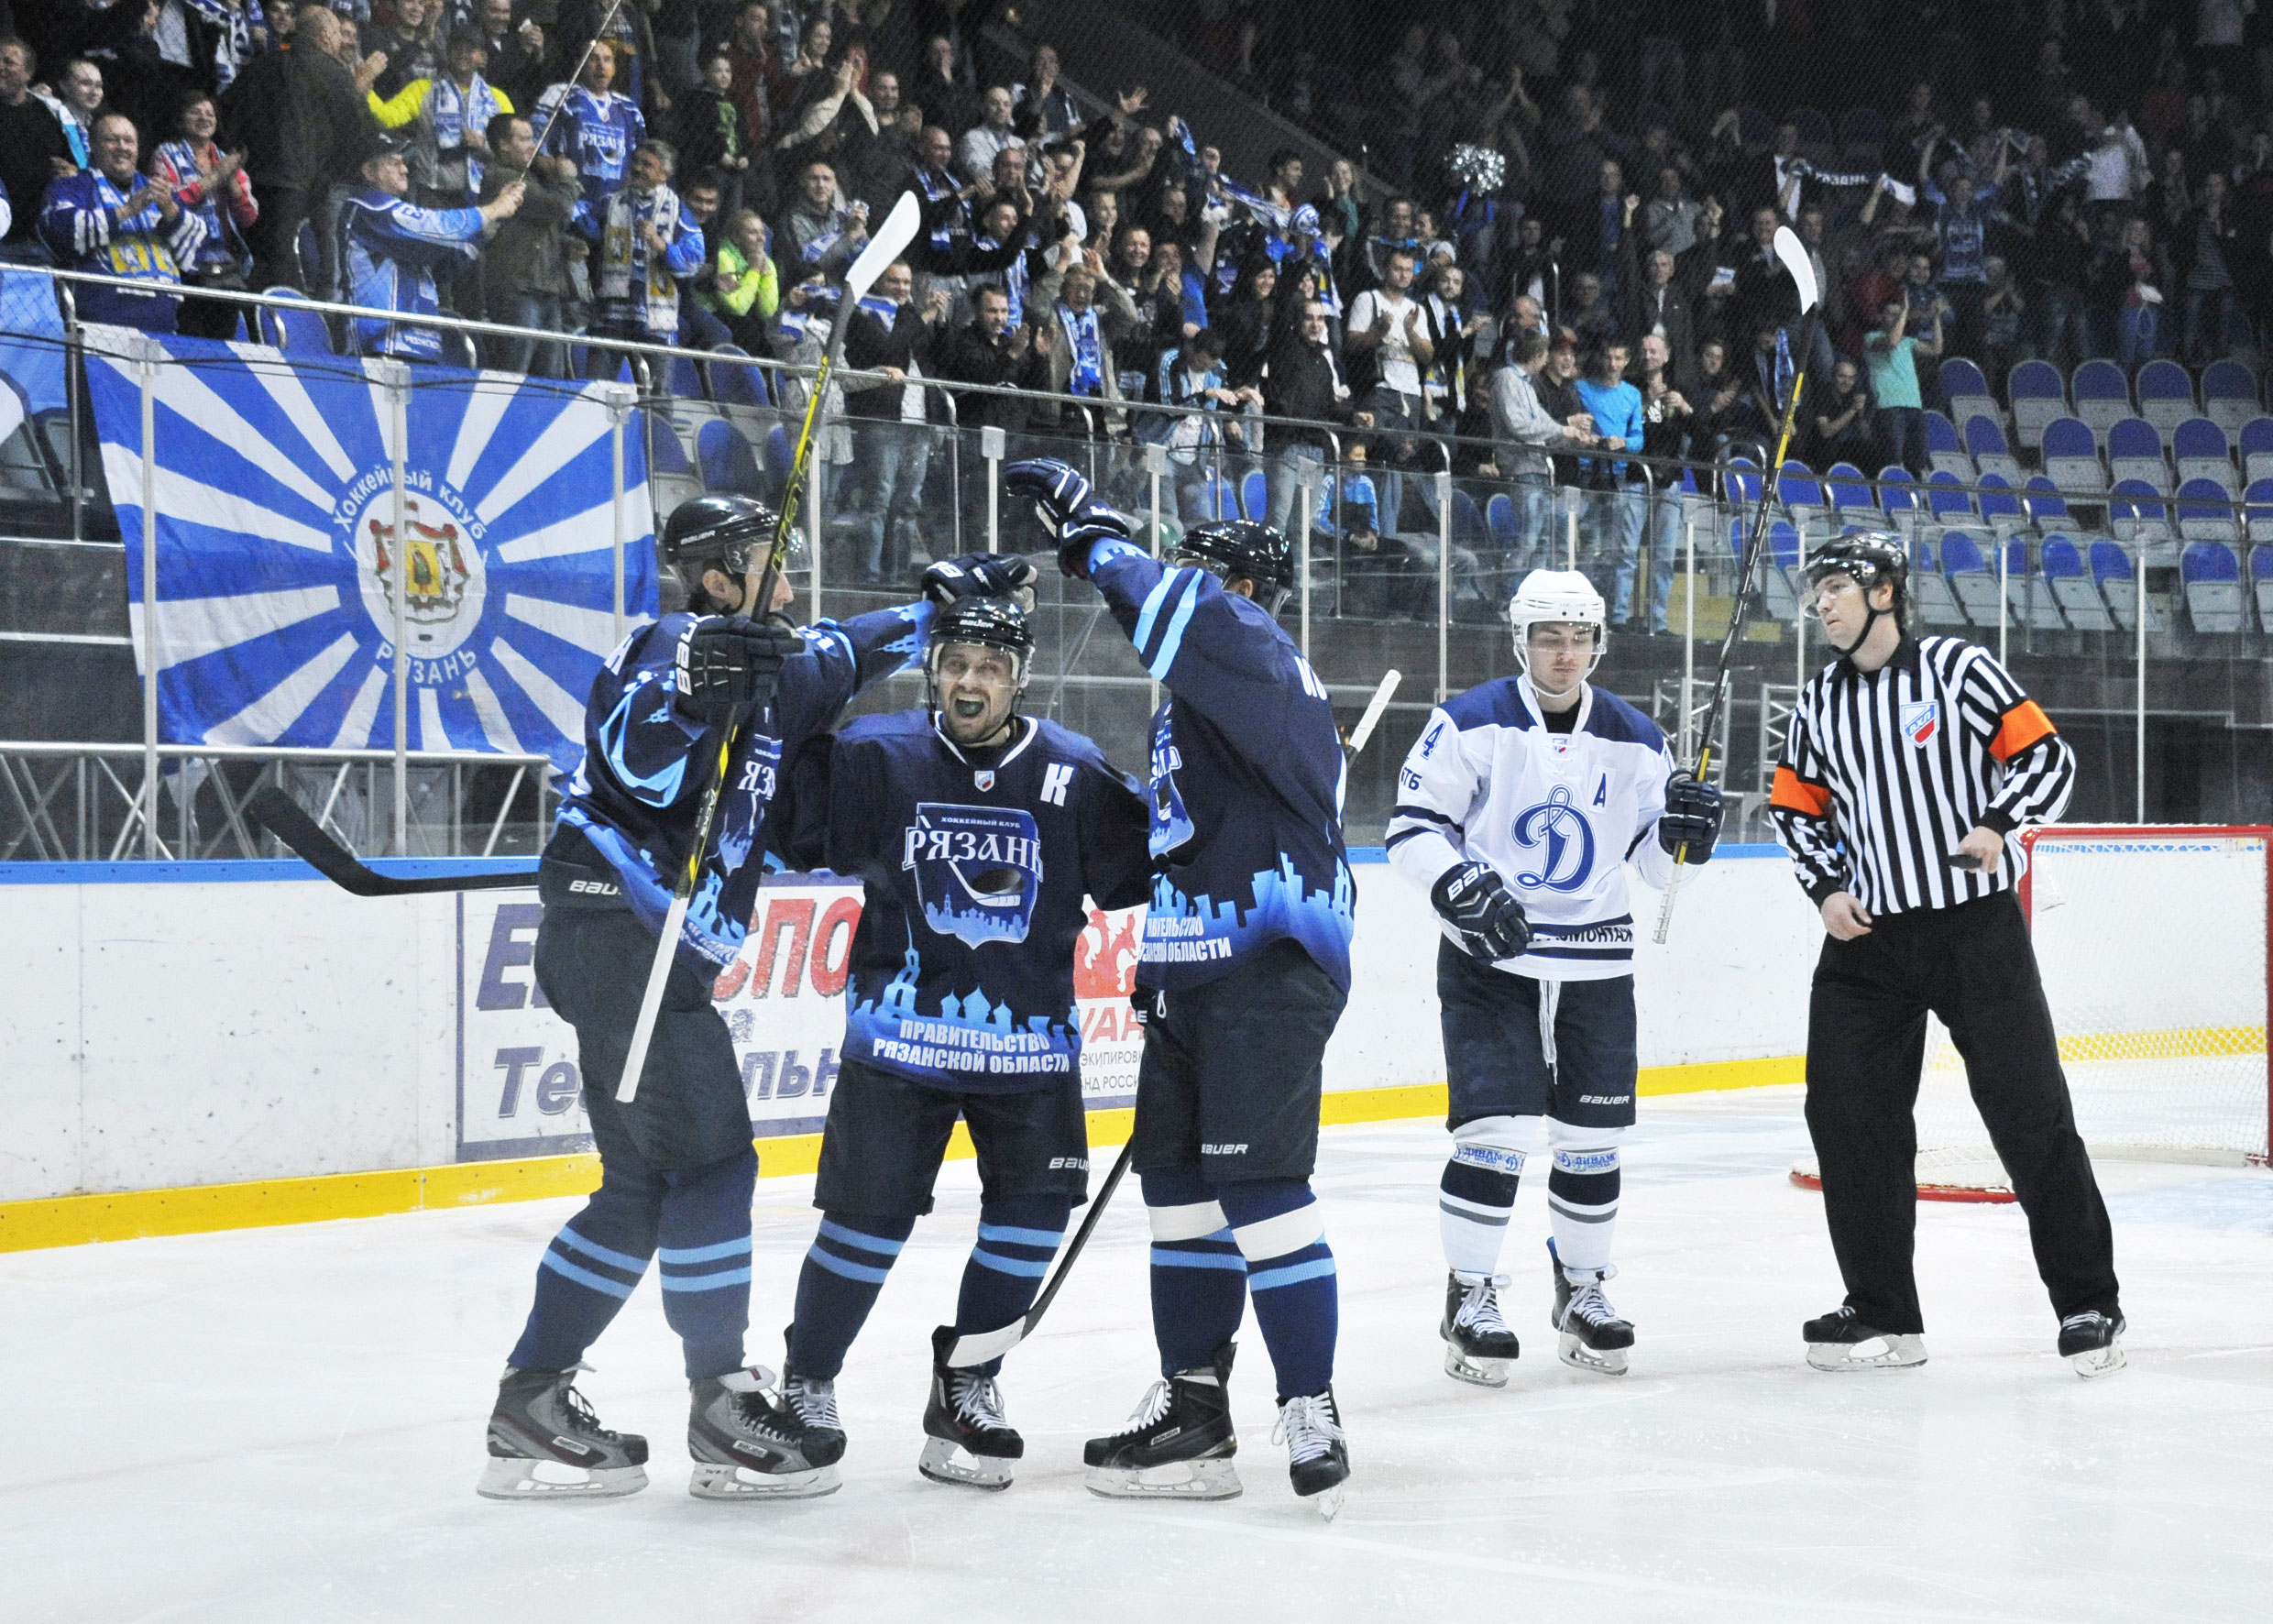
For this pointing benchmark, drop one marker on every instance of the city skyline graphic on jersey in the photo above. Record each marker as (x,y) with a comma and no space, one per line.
(969,1036)
(281,560)
(978,870)
(1197,928)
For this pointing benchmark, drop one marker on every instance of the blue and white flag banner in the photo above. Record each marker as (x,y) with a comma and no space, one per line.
(278,559)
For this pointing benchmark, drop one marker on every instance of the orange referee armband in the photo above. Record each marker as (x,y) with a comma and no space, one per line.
(2024,726)
(1795,793)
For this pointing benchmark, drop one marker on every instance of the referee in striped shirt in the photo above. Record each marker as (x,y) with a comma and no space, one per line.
(1908,763)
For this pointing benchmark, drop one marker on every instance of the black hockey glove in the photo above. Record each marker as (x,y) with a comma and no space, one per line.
(1068,507)
(1477,903)
(726,661)
(1692,818)
(980,574)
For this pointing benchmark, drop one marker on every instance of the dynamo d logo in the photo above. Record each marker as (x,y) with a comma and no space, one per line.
(1562,830)
(978,870)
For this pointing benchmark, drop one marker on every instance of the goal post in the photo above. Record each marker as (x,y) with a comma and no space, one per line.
(2152,942)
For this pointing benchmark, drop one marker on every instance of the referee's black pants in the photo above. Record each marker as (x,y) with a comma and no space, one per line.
(1972,966)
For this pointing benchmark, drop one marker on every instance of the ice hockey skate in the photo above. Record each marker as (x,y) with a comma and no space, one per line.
(813,1399)
(1317,1450)
(1593,1336)
(1840,1341)
(1177,1447)
(1478,1346)
(2092,1343)
(967,1438)
(749,1445)
(546,1444)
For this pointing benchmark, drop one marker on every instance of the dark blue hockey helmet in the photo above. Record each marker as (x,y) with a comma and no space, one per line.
(1240,549)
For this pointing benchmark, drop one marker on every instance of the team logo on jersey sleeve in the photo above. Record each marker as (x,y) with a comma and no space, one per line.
(978,870)
(1919,719)
(1561,830)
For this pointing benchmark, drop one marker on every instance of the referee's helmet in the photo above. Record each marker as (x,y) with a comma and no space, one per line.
(1868,557)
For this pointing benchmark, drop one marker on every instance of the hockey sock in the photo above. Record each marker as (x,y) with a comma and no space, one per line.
(704,1254)
(1198,1280)
(589,1270)
(1478,1191)
(1582,1193)
(1019,1234)
(844,1270)
(1282,1235)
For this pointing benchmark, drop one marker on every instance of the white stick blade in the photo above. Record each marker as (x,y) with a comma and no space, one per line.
(1375,708)
(889,242)
(980,1346)
(1794,253)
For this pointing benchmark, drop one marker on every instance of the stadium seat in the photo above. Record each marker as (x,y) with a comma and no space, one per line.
(1999,507)
(671,477)
(1850,494)
(295,331)
(2261,581)
(1255,497)
(2205,512)
(1802,494)
(1739,482)
(1947,500)
(781,456)
(1936,602)
(1780,572)
(1970,575)
(1985,444)
(1468,529)
(2102,395)
(2165,394)
(2028,600)
(2047,508)
(1965,393)
(2257,512)
(1218,500)
(735,383)
(2213,575)
(2199,446)
(2257,447)
(1898,497)
(2074,590)
(2038,396)
(2135,452)
(1945,448)
(728,463)
(2229,395)
(2072,458)
(2117,577)
(1500,522)
(2138,514)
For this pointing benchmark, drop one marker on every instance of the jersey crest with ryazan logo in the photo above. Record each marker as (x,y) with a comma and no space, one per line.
(977,870)
(1920,717)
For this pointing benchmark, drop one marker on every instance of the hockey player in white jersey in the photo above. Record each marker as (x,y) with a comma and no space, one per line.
(1519,810)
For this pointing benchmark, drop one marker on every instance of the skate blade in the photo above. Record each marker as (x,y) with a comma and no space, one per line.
(1575,1352)
(1482,1373)
(1214,1479)
(507,1478)
(946,1462)
(1878,1353)
(1329,1501)
(716,1480)
(2097,1362)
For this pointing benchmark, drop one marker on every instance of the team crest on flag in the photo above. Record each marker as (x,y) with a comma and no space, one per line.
(1919,719)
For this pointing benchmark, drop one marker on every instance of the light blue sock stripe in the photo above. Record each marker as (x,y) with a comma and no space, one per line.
(735,1276)
(866,1243)
(734,1249)
(1174,639)
(584,1277)
(851,1271)
(1153,600)
(1032,1268)
(1168,1258)
(1292,1274)
(1021,1238)
(575,1242)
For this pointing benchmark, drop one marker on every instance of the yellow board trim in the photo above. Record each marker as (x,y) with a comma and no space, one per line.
(75,1219)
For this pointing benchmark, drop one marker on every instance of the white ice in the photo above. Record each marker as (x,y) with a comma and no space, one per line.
(286,1424)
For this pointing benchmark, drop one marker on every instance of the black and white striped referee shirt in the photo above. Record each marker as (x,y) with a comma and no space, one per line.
(1884,774)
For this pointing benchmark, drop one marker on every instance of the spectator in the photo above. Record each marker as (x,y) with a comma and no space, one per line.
(746,284)
(1724,404)
(446,117)
(1045,107)
(1588,313)
(107,220)
(1669,219)
(77,107)
(750,56)
(1839,423)
(1304,380)
(1387,345)
(1667,421)
(1191,374)
(522,275)
(515,50)
(991,134)
(1764,289)
(300,115)
(1444,383)
(589,123)
(213,184)
(1523,432)
(648,244)
(2003,308)
(1157,324)
(1090,313)
(1557,385)
(946,198)
(825,235)
(994,350)
(32,151)
(2130,280)
(1601,233)
(411,43)
(1962,228)
(1891,354)
(1659,306)
(889,336)
(941,90)
(397,253)
(708,129)
(2212,243)
(1617,496)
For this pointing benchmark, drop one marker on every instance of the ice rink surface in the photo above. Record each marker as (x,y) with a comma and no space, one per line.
(286,1424)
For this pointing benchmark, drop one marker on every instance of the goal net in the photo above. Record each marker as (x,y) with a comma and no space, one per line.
(2152,945)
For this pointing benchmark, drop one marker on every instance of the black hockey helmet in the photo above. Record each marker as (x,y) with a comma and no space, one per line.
(1232,548)
(1870,558)
(729,532)
(991,622)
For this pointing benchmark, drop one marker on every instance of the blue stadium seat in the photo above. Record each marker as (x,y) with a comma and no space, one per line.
(2038,395)
(683,378)
(735,383)
(1965,393)
(1740,482)
(2102,394)
(2072,458)
(1970,575)
(2115,573)
(1499,520)
(2199,446)
(727,461)
(1851,492)
(2229,395)
(2256,447)
(666,454)
(2257,512)
(1937,601)
(781,456)
(2213,576)
(2261,581)
(1780,572)
(1997,505)
(2135,452)
(1802,493)
(2075,592)
(2205,512)
(1899,495)
(2046,506)
(1946,499)
(1945,448)
(1984,443)
(1217,500)
(2165,394)
(671,477)
(295,331)
(2138,514)
(2028,599)
(1255,497)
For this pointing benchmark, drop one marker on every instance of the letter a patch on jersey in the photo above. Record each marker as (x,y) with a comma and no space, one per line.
(1919,719)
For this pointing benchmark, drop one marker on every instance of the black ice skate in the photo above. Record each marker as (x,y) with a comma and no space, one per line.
(2092,1343)
(1478,1346)
(1593,1336)
(546,1444)
(1177,1444)
(1317,1452)
(749,1445)
(1841,1341)
(967,1440)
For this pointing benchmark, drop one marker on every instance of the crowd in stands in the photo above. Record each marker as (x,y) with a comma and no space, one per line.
(1562,253)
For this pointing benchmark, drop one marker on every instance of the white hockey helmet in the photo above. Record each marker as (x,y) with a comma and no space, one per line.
(1557,596)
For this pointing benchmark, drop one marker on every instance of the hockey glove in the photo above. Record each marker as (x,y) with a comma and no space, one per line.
(1064,502)
(1476,902)
(1692,818)
(980,574)
(726,661)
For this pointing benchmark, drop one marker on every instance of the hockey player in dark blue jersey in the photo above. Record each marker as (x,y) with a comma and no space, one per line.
(676,1164)
(977,834)
(1244,967)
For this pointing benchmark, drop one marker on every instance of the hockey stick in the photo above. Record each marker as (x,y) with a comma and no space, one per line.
(1795,258)
(897,231)
(979,1347)
(307,839)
